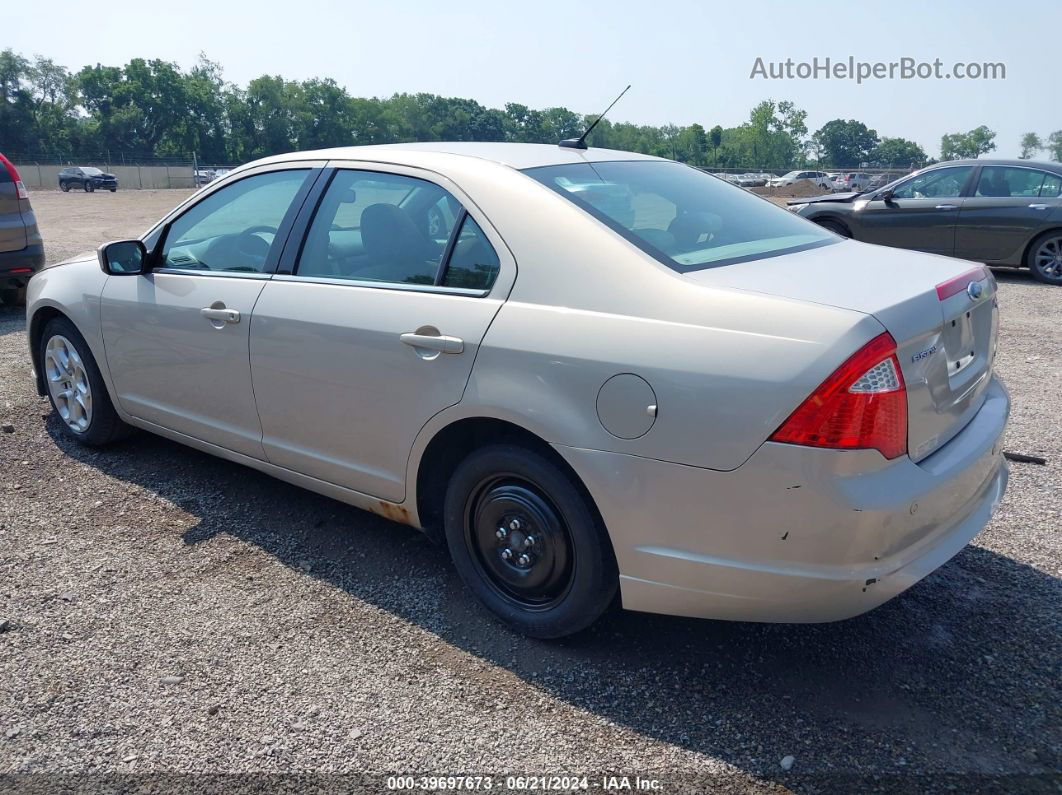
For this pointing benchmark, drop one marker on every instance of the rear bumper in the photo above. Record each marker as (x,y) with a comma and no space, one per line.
(795,534)
(31,257)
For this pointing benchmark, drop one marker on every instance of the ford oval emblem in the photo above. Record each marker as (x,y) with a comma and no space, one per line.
(974,290)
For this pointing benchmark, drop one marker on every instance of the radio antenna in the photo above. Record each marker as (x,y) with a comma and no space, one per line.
(580,142)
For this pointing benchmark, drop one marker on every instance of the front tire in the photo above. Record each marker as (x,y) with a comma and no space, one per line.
(75,387)
(527,543)
(1044,259)
(89,187)
(113,190)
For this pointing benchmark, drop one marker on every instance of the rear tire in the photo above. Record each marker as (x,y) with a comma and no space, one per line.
(64,187)
(13,296)
(527,543)
(834,226)
(88,417)
(1044,259)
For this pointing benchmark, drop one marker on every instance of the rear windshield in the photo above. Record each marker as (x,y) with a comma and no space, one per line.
(687,219)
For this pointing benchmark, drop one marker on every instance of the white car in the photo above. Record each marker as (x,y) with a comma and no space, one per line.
(818,178)
(587,372)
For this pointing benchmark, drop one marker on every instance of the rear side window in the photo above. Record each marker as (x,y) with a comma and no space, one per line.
(1052,186)
(680,215)
(376,227)
(473,263)
(1004,182)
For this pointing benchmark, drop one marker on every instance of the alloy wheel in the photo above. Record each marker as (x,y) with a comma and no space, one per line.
(68,383)
(1048,258)
(519,542)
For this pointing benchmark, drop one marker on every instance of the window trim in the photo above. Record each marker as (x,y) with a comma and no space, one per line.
(283,230)
(287,269)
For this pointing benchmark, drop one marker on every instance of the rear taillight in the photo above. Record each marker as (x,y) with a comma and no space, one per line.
(862,406)
(20,186)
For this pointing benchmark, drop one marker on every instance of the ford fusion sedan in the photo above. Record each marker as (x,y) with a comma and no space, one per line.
(1000,212)
(87,178)
(594,375)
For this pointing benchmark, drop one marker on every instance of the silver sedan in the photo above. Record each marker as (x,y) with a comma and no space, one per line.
(595,376)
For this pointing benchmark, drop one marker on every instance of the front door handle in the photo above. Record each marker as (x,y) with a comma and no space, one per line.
(1037,206)
(434,342)
(947,207)
(213,313)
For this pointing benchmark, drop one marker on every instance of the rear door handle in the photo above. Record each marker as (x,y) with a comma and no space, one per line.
(433,342)
(947,207)
(1037,206)
(224,315)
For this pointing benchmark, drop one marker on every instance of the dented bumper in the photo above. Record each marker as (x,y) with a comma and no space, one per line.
(795,534)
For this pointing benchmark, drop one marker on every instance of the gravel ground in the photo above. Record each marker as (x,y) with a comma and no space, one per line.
(167,611)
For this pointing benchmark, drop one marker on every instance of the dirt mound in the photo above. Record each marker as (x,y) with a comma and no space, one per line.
(803,188)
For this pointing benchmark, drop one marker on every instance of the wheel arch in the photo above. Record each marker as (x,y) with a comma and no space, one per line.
(453,442)
(1055,230)
(38,321)
(833,219)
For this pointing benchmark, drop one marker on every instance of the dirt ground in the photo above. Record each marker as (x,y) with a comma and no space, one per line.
(163,610)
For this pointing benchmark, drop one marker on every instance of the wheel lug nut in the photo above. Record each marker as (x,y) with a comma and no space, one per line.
(502,532)
(507,554)
(524,560)
(514,524)
(530,541)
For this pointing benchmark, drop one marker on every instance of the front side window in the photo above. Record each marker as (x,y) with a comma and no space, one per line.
(233,229)
(680,215)
(377,227)
(942,183)
(1002,182)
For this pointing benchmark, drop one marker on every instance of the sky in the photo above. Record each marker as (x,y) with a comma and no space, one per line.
(687,61)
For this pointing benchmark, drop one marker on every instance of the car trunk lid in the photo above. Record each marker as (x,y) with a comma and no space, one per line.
(945,329)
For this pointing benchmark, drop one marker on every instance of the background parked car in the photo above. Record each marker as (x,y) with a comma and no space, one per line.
(88,178)
(1000,212)
(855,180)
(21,249)
(817,178)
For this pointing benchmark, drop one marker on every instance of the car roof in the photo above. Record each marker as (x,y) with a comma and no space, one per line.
(518,156)
(1041,164)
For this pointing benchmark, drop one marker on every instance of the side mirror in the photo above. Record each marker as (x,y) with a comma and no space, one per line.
(122,257)
(885,196)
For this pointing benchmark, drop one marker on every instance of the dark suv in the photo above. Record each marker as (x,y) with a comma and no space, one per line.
(88,178)
(21,249)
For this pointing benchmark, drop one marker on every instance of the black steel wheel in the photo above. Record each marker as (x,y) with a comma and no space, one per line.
(519,541)
(527,542)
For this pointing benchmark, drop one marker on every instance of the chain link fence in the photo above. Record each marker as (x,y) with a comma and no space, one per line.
(40,170)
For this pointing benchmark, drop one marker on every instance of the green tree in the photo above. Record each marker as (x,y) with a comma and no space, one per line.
(1030,145)
(845,144)
(967,145)
(897,153)
(1054,145)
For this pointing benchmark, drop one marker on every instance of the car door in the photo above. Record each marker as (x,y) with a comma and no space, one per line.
(1008,207)
(177,337)
(371,327)
(921,213)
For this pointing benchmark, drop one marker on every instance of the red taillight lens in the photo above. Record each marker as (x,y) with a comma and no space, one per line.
(20,186)
(862,406)
(961,282)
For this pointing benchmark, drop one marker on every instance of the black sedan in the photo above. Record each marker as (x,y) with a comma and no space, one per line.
(1000,212)
(88,178)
